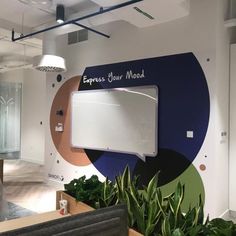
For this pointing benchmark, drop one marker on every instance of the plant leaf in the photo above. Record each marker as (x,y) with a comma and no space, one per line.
(178,232)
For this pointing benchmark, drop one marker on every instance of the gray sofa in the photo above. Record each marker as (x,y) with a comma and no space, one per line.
(109,221)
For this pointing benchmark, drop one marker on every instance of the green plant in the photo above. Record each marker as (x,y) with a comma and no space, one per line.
(151,204)
(125,186)
(152,214)
(143,208)
(221,227)
(108,196)
(149,212)
(176,222)
(85,190)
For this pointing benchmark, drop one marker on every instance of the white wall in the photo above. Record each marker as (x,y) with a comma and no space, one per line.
(221,113)
(193,33)
(202,33)
(33,112)
(232,172)
(16,76)
(33,106)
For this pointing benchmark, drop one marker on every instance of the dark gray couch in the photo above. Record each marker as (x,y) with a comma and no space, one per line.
(109,221)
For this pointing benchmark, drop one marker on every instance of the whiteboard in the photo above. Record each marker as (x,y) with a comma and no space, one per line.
(117,120)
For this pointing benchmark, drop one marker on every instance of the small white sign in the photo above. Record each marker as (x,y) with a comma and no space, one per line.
(189,134)
(59,127)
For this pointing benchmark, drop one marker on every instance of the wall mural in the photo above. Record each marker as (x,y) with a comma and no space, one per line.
(183,117)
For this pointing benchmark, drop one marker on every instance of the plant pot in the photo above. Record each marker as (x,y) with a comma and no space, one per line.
(134,233)
(75,207)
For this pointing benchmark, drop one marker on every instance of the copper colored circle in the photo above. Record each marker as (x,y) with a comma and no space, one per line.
(202,167)
(61,140)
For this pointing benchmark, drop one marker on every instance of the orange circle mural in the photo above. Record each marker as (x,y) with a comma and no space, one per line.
(202,167)
(61,113)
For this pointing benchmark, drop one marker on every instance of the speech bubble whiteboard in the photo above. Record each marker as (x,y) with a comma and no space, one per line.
(119,120)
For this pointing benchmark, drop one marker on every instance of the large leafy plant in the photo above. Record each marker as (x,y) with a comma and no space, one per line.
(149,212)
(143,208)
(85,190)
(174,221)
(221,227)
(108,195)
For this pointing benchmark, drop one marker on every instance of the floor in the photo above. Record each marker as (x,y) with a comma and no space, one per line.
(24,185)
(231,215)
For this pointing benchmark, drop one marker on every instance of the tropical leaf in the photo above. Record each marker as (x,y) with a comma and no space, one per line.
(159,200)
(165,228)
(201,211)
(178,232)
(149,229)
(152,187)
(178,199)
(153,215)
(131,218)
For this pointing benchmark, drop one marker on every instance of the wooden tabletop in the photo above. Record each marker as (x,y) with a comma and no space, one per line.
(29,220)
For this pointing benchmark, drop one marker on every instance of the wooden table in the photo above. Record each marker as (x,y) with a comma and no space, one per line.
(29,220)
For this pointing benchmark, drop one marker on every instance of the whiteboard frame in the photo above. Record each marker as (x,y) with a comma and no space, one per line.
(119,151)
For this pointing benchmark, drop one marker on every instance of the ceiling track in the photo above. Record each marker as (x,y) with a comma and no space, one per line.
(95,31)
(74,21)
(23,43)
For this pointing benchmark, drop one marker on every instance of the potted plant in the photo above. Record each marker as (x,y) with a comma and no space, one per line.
(149,212)
(88,194)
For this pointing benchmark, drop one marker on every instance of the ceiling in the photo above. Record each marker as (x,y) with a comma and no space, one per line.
(28,15)
(33,13)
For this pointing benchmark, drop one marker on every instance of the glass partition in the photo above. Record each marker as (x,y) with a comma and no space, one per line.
(10,110)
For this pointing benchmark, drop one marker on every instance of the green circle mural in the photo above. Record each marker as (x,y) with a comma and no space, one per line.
(193,187)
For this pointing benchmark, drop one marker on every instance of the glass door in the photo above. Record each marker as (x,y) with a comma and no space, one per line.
(10,107)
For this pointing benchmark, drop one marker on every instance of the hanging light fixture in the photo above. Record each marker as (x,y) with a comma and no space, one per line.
(49,63)
(60,14)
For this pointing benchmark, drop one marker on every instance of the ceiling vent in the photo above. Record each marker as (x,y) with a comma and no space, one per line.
(77,36)
(144,13)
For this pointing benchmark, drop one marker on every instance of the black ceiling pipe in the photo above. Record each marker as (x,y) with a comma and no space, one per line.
(101,11)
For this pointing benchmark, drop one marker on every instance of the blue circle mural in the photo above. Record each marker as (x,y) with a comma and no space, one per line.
(184,105)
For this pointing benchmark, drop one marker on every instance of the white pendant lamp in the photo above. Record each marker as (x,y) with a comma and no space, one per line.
(49,63)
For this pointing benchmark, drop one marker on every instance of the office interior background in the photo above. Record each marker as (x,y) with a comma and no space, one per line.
(181,53)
